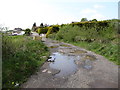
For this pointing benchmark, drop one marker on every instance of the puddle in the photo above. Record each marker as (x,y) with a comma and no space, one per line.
(87,64)
(64,63)
(89,57)
(88,61)
(65,50)
(78,51)
(54,46)
(64,45)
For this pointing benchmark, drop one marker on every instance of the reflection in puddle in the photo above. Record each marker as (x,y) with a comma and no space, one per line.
(63,57)
(63,63)
(88,61)
(87,64)
(78,51)
(64,45)
(89,57)
(54,46)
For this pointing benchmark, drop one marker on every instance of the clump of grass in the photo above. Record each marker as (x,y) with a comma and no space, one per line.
(108,50)
(21,57)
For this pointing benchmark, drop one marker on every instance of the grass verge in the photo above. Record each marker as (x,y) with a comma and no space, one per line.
(110,51)
(21,57)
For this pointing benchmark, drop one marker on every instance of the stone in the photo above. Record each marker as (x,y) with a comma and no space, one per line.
(49,72)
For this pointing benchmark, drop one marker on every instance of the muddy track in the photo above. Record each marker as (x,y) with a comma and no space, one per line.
(73,67)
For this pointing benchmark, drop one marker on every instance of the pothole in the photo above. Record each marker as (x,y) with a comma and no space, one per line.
(64,63)
(64,45)
(54,46)
(89,57)
(87,64)
(88,61)
(78,51)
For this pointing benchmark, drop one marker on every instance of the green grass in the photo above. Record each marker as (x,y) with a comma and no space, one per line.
(107,50)
(21,57)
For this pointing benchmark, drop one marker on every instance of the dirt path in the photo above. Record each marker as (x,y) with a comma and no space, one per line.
(74,67)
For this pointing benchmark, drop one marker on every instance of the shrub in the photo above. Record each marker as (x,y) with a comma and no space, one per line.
(49,31)
(84,19)
(34,27)
(94,20)
(39,31)
(41,25)
(55,28)
(21,57)
(27,32)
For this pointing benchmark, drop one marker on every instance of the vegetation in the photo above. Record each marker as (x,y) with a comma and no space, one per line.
(84,19)
(42,30)
(21,57)
(41,25)
(94,20)
(98,36)
(27,32)
(34,27)
(48,30)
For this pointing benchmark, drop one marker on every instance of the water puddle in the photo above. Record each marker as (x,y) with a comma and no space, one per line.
(54,46)
(64,56)
(78,51)
(87,64)
(64,63)
(64,45)
(92,58)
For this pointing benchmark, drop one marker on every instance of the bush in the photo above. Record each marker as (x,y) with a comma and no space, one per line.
(43,30)
(49,31)
(84,19)
(21,57)
(39,31)
(55,28)
(27,32)
(94,20)
(52,29)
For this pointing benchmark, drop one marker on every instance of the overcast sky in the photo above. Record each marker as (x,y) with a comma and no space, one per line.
(23,13)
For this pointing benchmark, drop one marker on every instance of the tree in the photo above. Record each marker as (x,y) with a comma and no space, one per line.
(27,32)
(84,19)
(34,27)
(41,25)
(94,20)
(45,25)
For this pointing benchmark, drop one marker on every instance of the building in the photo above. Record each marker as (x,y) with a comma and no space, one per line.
(17,29)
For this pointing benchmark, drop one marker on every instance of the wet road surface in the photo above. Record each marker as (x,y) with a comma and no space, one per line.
(73,67)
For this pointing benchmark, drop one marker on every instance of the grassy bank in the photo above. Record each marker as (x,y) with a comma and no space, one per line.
(21,57)
(108,50)
(102,39)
